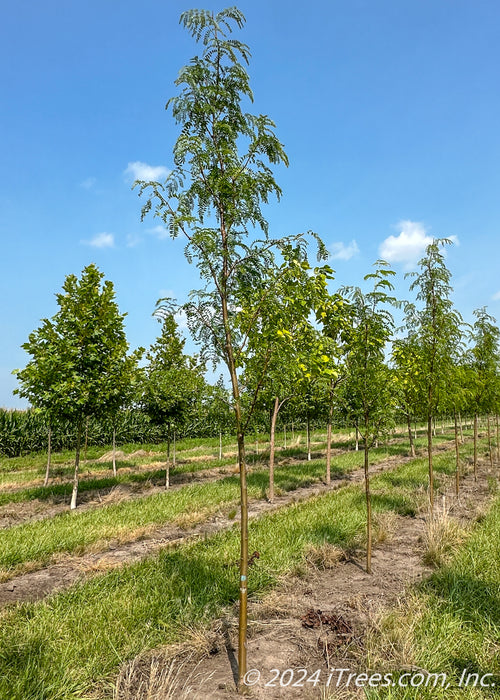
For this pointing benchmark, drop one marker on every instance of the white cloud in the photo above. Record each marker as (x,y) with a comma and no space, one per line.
(341,251)
(132,240)
(102,240)
(408,246)
(88,183)
(143,171)
(496,296)
(159,231)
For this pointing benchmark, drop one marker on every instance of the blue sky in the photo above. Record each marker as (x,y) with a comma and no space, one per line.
(388,109)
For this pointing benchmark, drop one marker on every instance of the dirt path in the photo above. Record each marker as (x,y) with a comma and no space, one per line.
(349,601)
(36,585)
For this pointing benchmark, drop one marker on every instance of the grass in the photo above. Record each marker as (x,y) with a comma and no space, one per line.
(73,642)
(450,623)
(64,646)
(36,543)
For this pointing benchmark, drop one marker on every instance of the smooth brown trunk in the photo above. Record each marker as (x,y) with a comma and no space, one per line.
(49,454)
(74,493)
(429,459)
(114,452)
(329,445)
(274,416)
(475,446)
(243,595)
(86,439)
(368,510)
(308,439)
(410,436)
(498,436)
(457,458)
(490,446)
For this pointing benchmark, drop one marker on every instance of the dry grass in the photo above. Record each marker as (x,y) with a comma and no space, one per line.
(442,536)
(324,556)
(161,679)
(171,672)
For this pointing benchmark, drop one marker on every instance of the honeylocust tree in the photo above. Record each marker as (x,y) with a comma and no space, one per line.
(406,364)
(83,350)
(437,327)
(483,362)
(284,348)
(213,197)
(367,390)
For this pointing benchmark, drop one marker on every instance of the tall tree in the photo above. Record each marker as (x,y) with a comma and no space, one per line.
(285,341)
(437,327)
(83,349)
(484,363)
(213,197)
(367,391)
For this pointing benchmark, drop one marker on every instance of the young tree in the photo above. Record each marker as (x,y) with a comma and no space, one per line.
(367,391)
(437,326)
(213,197)
(38,379)
(172,383)
(83,349)
(285,341)
(484,362)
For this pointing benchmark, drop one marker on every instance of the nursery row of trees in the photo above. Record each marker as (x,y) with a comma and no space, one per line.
(263,310)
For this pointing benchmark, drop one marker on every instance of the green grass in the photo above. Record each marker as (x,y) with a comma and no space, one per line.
(65,646)
(74,532)
(452,622)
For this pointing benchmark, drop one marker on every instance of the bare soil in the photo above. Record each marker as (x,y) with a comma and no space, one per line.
(315,622)
(35,585)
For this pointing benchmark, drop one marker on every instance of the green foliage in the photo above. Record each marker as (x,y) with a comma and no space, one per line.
(172,383)
(483,362)
(79,364)
(435,330)
(366,394)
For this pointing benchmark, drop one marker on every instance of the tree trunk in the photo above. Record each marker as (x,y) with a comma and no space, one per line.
(490,446)
(457,456)
(308,439)
(49,455)
(114,451)
(357,438)
(284,436)
(77,466)
(243,596)
(498,437)
(475,446)
(429,459)
(410,435)
(174,452)
(368,510)
(461,429)
(220,444)
(274,416)
(86,439)
(329,445)
(167,465)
